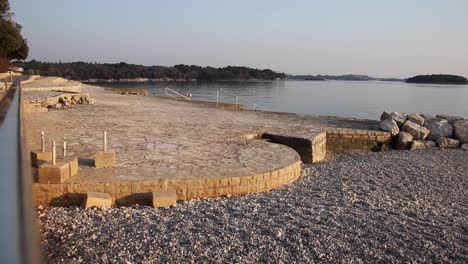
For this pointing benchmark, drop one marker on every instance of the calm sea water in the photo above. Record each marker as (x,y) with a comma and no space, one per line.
(339,98)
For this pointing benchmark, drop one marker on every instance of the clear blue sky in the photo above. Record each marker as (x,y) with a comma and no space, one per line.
(397,38)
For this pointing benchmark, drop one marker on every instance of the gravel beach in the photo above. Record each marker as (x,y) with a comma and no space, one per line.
(395,206)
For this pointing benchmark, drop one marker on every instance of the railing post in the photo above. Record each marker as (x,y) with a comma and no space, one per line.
(217,97)
(54,154)
(42,141)
(104,143)
(254,106)
(237,98)
(64,147)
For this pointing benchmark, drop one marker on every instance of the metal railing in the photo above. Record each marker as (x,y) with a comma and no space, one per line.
(177,93)
(18,227)
(239,98)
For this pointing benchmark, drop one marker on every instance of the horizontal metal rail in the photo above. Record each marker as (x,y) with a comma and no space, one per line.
(177,93)
(240,98)
(18,228)
(257,106)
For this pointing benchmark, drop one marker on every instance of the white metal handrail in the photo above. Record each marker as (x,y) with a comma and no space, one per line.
(179,94)
(255,105)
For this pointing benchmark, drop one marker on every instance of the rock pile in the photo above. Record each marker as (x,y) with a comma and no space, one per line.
(64,102)
(416,131)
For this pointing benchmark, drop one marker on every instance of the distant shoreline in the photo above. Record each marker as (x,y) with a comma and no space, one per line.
(144,80)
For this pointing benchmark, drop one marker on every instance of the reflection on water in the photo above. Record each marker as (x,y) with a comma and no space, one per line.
(339,98)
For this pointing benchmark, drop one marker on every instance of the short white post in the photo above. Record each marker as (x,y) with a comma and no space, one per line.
(217,97)
(237,99)
(64,147)
(11,77)
(254,106)
(42,141)
(105,142)
(54,154)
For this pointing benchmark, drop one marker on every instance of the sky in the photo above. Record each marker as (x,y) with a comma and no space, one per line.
(398,38)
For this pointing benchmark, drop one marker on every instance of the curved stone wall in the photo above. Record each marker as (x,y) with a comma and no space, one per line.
(139,192)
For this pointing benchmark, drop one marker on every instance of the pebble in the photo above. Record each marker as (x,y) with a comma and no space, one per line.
(388,207)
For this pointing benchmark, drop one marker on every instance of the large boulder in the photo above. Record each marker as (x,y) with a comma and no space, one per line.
(399,118)
(390,126)
(460,130)
(416,118)
(65,102)
(429,117)
(385,115)
(418,132)
(421,144)
(439,128)
(404,140)
(444,142)
(450,118)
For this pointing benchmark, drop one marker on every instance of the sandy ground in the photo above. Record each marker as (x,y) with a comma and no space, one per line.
(389,207)
(40,95)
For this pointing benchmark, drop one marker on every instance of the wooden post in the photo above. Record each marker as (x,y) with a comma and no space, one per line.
(64,147)
(42,141)
(54,154)
(105,142)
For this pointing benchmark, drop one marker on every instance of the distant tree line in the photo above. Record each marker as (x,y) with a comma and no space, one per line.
(121,71)
(438,79)
(347,77)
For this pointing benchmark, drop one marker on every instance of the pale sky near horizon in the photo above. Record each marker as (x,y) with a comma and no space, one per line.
(397,38)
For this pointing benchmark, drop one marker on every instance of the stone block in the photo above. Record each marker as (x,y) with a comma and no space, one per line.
(57,173)
(97,199)
(72,163)
(164,199)
(104,159)
(38,158)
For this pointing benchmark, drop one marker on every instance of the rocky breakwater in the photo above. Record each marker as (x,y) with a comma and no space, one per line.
(418,131)
(66,101)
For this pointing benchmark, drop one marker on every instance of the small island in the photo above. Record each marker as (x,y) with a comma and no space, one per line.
(438,79)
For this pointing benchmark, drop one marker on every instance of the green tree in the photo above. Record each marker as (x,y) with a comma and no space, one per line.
(12,44)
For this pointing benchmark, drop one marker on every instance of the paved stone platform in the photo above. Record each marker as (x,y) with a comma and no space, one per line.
(194,149)
(47,84)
